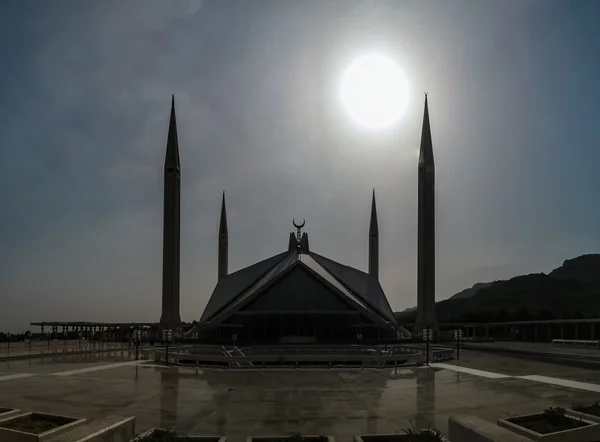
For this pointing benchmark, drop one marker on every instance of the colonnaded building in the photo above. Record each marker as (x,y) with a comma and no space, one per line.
(297,296)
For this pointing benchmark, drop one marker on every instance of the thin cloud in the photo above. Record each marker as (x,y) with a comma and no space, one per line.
(84,115)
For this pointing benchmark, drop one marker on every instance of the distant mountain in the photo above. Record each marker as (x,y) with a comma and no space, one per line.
(463,294)
(570,291)
(470,292)
(522,298)
(585,268)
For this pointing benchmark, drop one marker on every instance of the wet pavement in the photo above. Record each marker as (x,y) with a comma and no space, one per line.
(52,347)
(514,365)
(239,403)
(537,347)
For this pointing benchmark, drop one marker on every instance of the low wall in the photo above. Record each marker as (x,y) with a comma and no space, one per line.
(473,429)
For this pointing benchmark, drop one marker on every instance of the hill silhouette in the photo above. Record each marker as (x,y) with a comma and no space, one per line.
(472,290)
(570,291)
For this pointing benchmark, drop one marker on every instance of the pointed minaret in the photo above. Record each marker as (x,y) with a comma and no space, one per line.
(223,242)
(373,241)
(171,229)
(426,317)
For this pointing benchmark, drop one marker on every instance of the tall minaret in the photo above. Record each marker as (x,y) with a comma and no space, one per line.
(373,241)
(426,317)
(171,229)
(223,239)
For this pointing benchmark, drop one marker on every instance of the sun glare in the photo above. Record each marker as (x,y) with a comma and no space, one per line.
(374,91)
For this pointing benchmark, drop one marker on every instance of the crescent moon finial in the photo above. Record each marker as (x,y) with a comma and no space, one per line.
(301,225)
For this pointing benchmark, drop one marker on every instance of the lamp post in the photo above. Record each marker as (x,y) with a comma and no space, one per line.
(458,336)
(167,336)
(427,336)
(137,337)
(8,340)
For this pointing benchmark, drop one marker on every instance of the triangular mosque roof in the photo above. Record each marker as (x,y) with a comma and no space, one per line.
(367,287)
(232,285)
(362,289)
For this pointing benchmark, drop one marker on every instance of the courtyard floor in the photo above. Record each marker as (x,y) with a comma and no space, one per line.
(240,403)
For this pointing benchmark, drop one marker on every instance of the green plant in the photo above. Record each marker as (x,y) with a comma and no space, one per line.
(554,415)
(423,435)
(298,437)
(161,435)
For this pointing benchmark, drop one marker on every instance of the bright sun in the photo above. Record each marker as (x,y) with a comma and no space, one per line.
(374,91)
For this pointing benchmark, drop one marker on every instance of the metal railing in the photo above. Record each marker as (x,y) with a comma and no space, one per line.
(238,360)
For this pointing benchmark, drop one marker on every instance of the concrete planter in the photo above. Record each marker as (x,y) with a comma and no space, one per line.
(284,438)
(63,424)
(7,412)
(184,437)
(589,432)
(108,428)
(582,413)
(401,437)
(473,429)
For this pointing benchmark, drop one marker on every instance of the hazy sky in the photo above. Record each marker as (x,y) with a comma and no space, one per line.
(86,87)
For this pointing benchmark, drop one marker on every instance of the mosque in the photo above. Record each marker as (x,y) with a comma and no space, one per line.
(298,296)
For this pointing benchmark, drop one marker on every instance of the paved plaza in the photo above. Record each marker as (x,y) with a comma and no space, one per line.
(238,403)
(17,349)
(537,347)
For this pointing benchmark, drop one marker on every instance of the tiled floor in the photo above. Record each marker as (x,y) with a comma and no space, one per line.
(242,403)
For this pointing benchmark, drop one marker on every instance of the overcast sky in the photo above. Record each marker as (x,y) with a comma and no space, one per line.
(85,94)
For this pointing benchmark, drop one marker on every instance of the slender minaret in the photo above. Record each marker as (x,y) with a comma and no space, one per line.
(373,241)
(223,240)
(171,229)
(426,317)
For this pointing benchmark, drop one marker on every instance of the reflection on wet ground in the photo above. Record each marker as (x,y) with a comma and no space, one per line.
(538,347)
(52,364)
(51,347)
(238,403)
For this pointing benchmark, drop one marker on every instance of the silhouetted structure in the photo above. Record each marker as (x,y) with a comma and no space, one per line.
(223,243)
(426,317)
(171,229)
(373,241)
(298,296)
